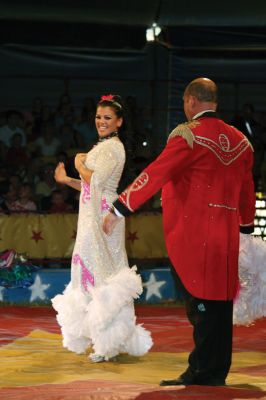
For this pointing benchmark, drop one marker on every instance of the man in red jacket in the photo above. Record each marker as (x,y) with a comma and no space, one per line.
(205,173)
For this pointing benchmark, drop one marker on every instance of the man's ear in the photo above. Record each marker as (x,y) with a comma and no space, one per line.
(192,101)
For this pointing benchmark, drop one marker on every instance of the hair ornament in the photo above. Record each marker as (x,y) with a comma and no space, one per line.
(107,97)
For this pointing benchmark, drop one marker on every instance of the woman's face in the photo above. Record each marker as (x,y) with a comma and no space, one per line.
(106,121)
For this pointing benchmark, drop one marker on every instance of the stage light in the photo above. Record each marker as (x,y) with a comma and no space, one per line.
(153,32)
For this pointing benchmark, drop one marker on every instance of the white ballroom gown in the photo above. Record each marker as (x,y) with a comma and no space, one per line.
(96,309)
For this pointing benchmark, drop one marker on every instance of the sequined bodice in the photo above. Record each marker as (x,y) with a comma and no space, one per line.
(96,256)
(107,160)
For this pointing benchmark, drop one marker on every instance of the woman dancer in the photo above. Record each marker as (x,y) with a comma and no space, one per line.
(96,309)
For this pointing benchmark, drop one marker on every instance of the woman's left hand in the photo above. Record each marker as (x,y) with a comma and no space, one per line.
(109,223)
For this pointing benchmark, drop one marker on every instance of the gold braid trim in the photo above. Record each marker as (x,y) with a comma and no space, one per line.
(185,131)
(252,148)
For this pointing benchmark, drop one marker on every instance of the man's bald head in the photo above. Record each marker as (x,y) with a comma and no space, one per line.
(200,95)
(203,89)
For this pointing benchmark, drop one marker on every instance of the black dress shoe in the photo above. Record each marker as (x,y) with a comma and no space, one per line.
(176,382)
(187,382)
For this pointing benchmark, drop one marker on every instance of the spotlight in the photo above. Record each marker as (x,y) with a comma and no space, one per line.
(153,32)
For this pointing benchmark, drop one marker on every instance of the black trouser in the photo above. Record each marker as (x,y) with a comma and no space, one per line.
(212,334)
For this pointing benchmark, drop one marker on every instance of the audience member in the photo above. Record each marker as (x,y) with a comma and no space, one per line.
(17,154)
(15,181)
(10,196)
(58,203)
(65,111)
(25,201)
(68,137)
(47,145)
(13,125)
(86,130)
(46,186)
(31,174)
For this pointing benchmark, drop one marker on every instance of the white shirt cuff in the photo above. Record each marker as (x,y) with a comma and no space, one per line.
(117,213)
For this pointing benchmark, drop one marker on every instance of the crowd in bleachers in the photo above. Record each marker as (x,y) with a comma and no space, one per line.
(33,142)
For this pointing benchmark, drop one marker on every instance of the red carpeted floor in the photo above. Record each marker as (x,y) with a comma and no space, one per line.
(34,365)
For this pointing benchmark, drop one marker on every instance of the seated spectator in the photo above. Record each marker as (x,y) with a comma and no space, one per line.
(46,186)
(14,124)
(31,173)
(68,138)
(15,182)
(69,196)
(33,133)
(10,196)
(58,203)
(24,202)
(17,155)
(47,145)
(86,129)
(65,111)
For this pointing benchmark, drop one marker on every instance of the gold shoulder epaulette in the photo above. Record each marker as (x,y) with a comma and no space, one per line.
(185,131)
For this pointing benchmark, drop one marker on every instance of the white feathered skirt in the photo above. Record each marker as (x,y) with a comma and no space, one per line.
(104,318)
(250,302)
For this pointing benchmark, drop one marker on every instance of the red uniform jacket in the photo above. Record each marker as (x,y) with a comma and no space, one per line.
(205,172)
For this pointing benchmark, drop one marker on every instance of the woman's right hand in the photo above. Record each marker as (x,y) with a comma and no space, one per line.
(60,173)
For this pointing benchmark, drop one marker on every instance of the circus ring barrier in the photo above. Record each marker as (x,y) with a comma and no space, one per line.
(48,240)
(50,236)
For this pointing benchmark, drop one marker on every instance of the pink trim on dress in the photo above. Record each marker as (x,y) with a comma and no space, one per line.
(105,206)
(86,276)
(86,195)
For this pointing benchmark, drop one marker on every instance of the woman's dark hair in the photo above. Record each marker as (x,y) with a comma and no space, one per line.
(115,102)
(125,135)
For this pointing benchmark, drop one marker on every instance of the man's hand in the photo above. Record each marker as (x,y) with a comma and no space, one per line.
(109,223)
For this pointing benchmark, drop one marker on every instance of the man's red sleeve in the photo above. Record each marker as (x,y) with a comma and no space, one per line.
(170,163)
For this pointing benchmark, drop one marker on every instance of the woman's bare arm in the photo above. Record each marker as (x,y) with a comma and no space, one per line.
(61,177)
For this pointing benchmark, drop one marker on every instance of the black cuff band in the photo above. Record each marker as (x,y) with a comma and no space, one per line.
(247,229)
(121,208)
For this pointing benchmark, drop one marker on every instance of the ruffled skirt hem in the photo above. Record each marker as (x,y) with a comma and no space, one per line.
(104,318)
(250,302)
